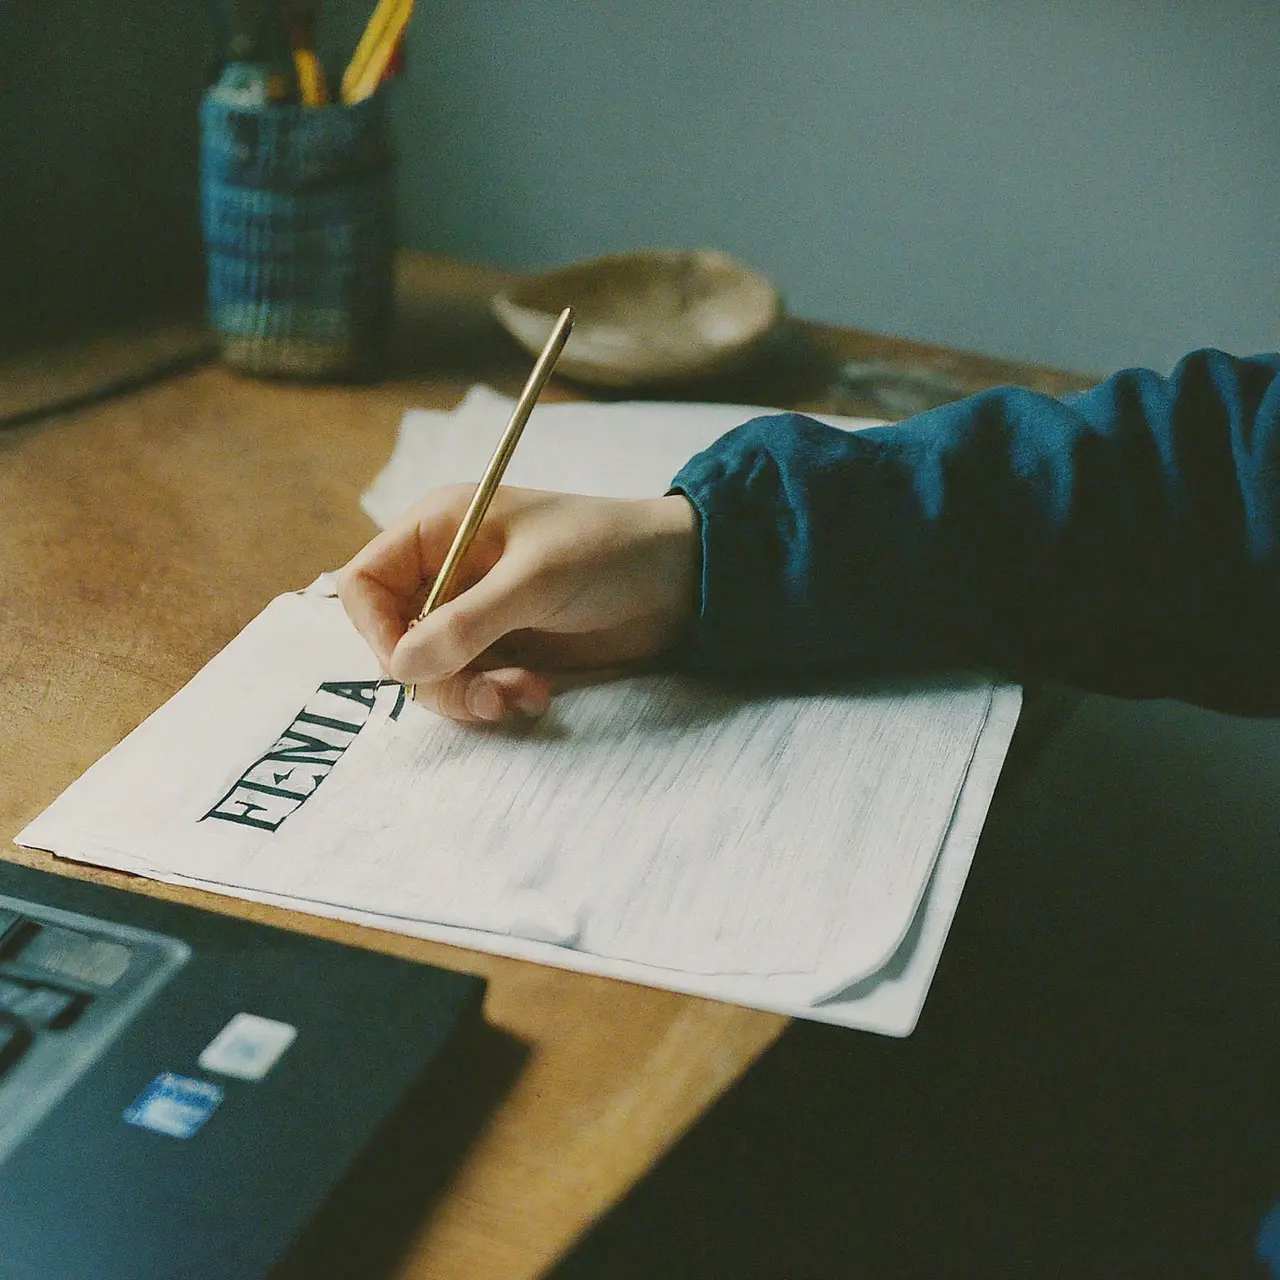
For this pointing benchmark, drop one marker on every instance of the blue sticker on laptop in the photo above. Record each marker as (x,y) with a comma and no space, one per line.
(177,1106)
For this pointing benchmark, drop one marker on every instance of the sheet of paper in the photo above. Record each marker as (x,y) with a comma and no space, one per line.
(626,450)
(889,1002)
(280,771)
(597,830)
(288,784)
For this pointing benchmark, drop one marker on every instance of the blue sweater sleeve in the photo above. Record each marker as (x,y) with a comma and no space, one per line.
(1126,539)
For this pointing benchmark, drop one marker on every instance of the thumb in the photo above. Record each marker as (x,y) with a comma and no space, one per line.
(456,633)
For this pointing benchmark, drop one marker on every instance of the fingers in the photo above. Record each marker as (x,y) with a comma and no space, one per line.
(488,697)
(374,610)
(456,633)
(382,584)
(552,583)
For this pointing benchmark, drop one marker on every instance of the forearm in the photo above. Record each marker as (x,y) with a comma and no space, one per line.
(1126,540)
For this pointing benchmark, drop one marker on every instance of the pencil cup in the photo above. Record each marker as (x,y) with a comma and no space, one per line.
(296,209)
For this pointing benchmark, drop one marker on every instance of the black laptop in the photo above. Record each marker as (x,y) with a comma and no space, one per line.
(187,1095)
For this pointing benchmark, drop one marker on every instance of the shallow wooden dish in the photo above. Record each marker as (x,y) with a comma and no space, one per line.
(646,317)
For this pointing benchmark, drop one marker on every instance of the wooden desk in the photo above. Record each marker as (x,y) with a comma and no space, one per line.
(142,532)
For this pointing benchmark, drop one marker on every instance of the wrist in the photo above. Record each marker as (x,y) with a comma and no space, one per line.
(675,534)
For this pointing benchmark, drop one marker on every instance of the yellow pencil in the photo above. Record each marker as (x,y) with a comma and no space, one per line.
(312,89)
(300,19)
(493,473)
(376,49)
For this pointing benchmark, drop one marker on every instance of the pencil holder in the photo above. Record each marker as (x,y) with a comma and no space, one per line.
(296,210)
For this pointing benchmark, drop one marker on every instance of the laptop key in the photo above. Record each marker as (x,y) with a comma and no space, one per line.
(73,956)
(14,933)
(15,1040)
(12,994)
(47,1007)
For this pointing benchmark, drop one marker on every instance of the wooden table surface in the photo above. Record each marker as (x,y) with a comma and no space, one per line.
(143,530)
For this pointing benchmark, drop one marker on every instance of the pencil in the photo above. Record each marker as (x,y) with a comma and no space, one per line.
(376,48)
(300,19)
(493,473)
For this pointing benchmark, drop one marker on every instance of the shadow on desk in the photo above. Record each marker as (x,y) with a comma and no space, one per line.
(387,1196)
(1092,1089)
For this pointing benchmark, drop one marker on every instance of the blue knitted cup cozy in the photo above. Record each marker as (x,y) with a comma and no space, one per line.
(296,208)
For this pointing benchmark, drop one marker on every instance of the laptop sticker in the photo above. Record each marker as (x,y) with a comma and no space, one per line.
(248,1047)
(175,1105)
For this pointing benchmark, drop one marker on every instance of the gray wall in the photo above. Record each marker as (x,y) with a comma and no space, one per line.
(1089,183)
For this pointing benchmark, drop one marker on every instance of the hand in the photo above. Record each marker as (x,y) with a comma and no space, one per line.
(553,583)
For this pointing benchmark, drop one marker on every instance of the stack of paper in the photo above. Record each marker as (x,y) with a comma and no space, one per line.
(803,852)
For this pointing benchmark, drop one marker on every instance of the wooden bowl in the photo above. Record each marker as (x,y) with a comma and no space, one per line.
(647,317)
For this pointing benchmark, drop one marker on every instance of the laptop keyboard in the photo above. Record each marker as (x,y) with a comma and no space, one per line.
(69,984)
(15,1038)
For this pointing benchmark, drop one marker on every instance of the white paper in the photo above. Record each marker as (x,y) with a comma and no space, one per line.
(596,828)
(762,849)
(626,450)
(887,1003)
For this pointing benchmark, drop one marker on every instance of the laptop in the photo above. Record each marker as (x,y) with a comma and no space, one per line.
(185,1094)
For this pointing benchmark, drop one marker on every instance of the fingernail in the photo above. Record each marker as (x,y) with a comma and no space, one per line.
(483,701)
(532,705)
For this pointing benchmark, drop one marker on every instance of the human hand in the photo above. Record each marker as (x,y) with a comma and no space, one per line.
(552,583)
